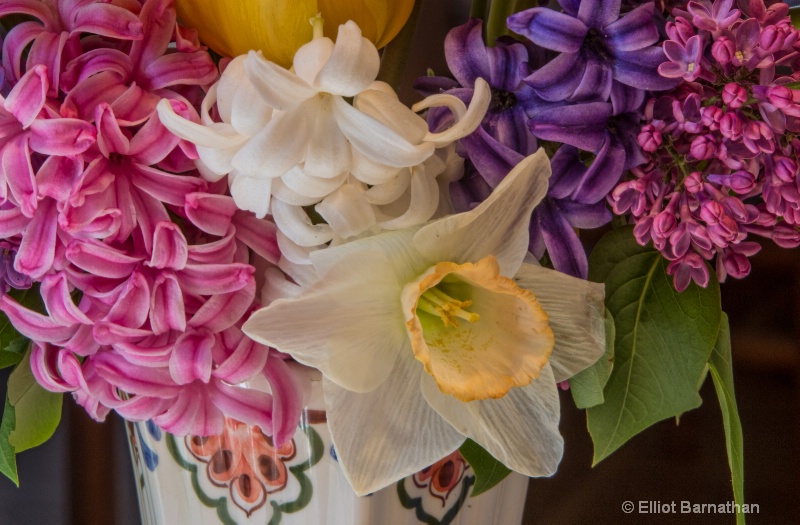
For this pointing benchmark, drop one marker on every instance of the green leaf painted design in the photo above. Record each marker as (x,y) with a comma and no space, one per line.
(488,471)
(37,411)
(663,340)
(587,385)
(721,368)
(8,457)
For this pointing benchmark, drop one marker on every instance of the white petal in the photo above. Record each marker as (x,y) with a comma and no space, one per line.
(277,286)
(346,325)
(221,136)
(347,211)
(352,66)
(292,251)
(225,90)
(279,87)
(328,153)
(206,172)
(469,122)
(576,311)
(390,190)
(302,183)
(281,191)
(371,172)
(311,57)
(303,274)
(498,226)
(277,148)
(251,194)
(390,111)
(294,222)
(249,113)
(218,161)
(381,144)
(520,429)
(423,203)
(405,261)
(389,433)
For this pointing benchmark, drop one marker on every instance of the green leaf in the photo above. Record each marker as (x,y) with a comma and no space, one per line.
(37,411)
(488,471)
(13,353)
(587,385)
(663,340)
(721,368)
(8,456)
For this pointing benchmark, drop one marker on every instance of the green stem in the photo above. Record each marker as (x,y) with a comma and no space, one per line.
(478,9)
(393,61)
(499,10)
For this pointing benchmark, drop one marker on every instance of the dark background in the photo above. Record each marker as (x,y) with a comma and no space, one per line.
(83,475)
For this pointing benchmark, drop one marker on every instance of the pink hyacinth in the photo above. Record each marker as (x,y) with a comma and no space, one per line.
(101,202)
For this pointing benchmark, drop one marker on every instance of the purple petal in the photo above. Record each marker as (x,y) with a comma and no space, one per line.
(633,31)
(598,13)
(580,125)
(585,216)
(565,249)
(504,64)
(558,79)
(466,53)
(639,69)
(602,175)
(509,128)
(596,81)
(492,159)
(568,170)
(550,29)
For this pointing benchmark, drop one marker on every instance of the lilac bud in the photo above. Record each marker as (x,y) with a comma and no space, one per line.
(785,236)
(736,264)
(711,116)
(740,181)
(723,50)
(694,182)
(681,30)
(643,229)
(649,138)
(779,96)
(730,126)
(703,147)
(734,95)
(689,268)
(785,169)
(771,39)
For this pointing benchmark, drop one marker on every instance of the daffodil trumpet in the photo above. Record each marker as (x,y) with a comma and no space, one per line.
(433,334)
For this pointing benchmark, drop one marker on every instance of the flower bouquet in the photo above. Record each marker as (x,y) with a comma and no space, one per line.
(197,196)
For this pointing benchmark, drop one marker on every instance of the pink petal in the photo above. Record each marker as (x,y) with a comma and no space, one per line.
(18,171)
(33,325)
(44,365)
(28,96)
(133,306)
(247,360)
(149,213)
(55,294)
(169,247)
(158,18)
(135,379)
(106,20)
(93,62)
(189,69)
(134,105)
(167,311)
(211,213)
(12,222)
(83,343)
(222,311)
(244,404)
(17,40)
(142,408)
(58,175)
(192,413)
(213,279)
(100,259)
(222,251)
(258,234)
(153,351)
(110,138)
(85,96)
(37,249)
(47,50)
(61,136)
(287,392)
(168,188)
(152,143)
(191,358)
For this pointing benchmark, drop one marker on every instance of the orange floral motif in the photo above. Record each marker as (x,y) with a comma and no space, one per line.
(443,476)
(244,459)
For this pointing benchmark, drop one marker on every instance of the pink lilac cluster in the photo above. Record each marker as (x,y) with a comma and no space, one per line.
(146,270)
(722,146)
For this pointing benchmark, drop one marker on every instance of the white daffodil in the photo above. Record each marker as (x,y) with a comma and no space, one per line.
(429,335)
(371,164)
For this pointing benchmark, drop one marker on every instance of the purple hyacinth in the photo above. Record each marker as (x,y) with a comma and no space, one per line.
(11,278)
(597,48)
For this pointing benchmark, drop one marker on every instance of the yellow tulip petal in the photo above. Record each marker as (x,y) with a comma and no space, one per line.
(486,336)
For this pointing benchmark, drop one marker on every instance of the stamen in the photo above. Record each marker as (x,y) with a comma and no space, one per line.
(690,67)
(436,302)
(318,23)
(739,55)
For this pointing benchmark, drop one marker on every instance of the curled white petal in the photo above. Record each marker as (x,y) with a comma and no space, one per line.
(250,194)
(294,222)
(469,122)
(422,204)
(347,211)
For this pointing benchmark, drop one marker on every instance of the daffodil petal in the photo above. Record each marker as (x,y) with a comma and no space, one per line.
(404,261)
(520,429)
(343,325)
(576,311)
(498,226)
(251,194)
(279,88)
(376,141)
(405,434)
(352,66)
(294,222)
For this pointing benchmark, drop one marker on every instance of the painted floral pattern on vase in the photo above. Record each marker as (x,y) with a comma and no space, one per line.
(245,461)
(438,492)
